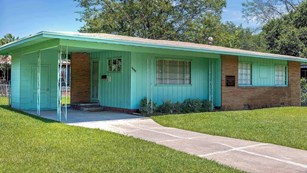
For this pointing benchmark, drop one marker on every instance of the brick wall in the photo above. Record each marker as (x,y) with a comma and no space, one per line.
(258,97)
(80,77)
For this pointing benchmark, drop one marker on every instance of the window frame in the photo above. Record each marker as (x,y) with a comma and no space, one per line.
(112,59)
(251,73)
(172,84)
(285,75)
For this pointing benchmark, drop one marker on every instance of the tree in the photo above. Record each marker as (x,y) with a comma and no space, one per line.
(262,11)
(5,60)
(7,38)
(156,19)
(288,34)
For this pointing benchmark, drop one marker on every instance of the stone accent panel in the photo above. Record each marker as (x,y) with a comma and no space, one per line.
(236,98)
(80,78)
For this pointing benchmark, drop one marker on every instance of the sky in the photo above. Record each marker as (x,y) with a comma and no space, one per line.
(24,17)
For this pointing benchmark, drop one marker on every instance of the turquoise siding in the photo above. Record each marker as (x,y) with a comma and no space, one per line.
(217,82)
(143,80)
(15,82)
(263,70)
(114,93)
(28,78)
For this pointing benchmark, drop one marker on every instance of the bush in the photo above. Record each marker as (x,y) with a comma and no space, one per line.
(304,91)
(206,106)
(147,107)
(166,107)
(191,105)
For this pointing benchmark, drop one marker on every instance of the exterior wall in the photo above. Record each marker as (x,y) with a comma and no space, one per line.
(24,80)
(143,80)
(263,70)
(80,78)
(15,82)
(116,92)
(240,97)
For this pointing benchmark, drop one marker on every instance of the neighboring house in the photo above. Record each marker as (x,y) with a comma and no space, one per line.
(119,71)
(304,71)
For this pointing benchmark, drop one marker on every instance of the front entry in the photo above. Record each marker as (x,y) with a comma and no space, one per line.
(94,80)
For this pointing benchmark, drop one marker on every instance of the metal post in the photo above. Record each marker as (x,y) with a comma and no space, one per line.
(211,83)
(59,83)
(66,84)
(38,93)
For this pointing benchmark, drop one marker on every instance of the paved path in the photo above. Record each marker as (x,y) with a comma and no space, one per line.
(245,155)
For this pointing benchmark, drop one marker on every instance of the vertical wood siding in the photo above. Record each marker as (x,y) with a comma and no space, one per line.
(263,70)
(28,74)
(115,93)
(143,80)
(15,82)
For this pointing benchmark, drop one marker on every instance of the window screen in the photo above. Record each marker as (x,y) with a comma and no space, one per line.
(280,75)
(173,72)
(245,74)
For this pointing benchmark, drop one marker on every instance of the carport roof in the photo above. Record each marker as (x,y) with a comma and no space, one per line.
(140,42)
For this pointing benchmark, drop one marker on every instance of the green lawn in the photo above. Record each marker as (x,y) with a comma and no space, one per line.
(284,126)
(31,144)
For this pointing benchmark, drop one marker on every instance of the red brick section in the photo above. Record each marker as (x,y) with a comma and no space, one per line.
(235,98)
(80,78)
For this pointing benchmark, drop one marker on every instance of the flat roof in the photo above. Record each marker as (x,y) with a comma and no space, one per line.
(142,42)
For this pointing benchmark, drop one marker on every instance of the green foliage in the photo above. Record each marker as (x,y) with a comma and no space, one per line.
(158,19)
(7,39)
(147,107)
(34,144)
(264,11)
(168,107)
(288,34)
(282,126)
(304,91)
(191,105)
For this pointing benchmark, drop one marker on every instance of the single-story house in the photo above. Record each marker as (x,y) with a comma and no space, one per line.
(118,71)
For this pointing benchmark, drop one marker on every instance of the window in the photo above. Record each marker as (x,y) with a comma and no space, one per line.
(114,65)
(245,73)
(173,72)
(280,75)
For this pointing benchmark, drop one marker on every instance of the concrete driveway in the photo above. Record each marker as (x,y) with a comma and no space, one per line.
(245,155)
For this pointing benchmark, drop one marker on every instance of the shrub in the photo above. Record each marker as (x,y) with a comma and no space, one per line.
(191,105)
(147,107)
(206,106)
(166,107)
(177,108)
(304,91)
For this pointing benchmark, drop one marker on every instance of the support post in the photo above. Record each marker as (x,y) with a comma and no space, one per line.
(59,85)
(66,83)
(38,83)
(211,83)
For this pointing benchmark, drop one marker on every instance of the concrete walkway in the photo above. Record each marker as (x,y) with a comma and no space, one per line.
(245,155)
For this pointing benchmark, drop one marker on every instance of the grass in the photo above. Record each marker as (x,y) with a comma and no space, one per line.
(283,126)
(32,144)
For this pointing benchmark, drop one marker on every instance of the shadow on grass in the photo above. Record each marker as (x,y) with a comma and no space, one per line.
(45,120)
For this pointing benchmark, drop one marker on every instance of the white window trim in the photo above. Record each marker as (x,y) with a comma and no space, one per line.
(251,76)
(284,67)
(163,74)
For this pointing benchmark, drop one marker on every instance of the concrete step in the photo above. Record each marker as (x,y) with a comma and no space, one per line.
(86,104)
(92,109)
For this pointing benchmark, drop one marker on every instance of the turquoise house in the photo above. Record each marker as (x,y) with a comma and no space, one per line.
(118,71)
